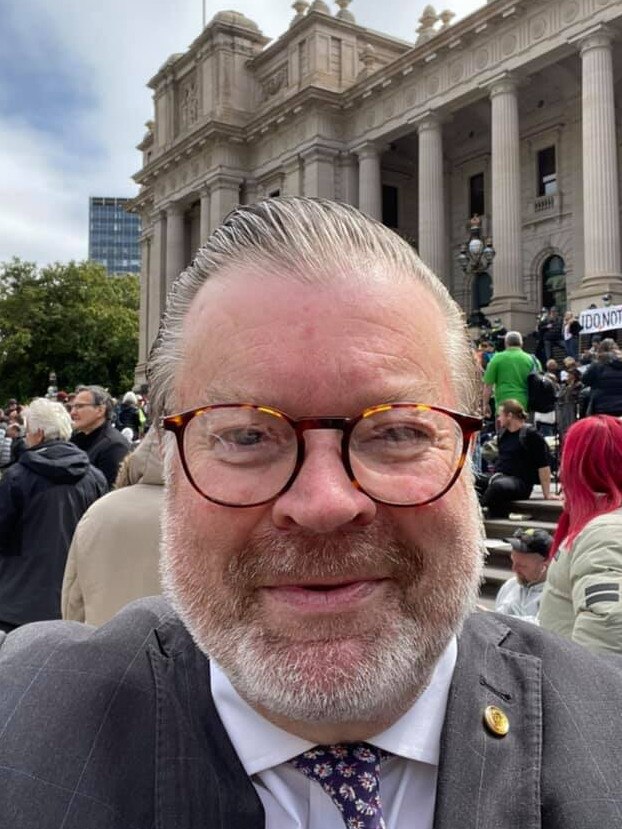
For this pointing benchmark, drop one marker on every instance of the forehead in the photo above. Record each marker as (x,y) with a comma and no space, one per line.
(267,338)
(84,397)
(525,557)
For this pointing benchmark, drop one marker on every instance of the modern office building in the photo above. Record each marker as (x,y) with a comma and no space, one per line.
(114,235)
(513,113)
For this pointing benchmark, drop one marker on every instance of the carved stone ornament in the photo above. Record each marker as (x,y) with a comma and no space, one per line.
(274,82)
(300,7)
(427,21)
(446,17)
(189,103)
(367,56)
(320,6)
(344,13)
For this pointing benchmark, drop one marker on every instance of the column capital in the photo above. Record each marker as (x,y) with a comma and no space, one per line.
(428,120)
(346,157)
(174,208)
(204,190)
(158,215)
(319,153)
(598,37)
(503,84)
(369,149)
(224,180)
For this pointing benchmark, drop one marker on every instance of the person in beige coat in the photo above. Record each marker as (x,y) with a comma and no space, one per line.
(113,558)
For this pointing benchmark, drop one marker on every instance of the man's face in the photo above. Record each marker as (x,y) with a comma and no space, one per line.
(84,415)
(504,417)
(529,568)
(321,605)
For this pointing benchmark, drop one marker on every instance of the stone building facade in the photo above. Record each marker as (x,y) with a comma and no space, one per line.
(513,112)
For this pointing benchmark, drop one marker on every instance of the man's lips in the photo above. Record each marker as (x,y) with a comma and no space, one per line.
(319,595)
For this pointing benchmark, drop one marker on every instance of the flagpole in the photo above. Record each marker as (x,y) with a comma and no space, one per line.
(203,4)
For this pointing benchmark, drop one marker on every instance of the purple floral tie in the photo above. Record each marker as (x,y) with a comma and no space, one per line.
(350,774)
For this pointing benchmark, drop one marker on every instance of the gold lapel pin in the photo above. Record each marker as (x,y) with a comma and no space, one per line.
(496,721)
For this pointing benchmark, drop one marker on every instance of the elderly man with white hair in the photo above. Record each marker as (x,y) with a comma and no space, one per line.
(42,498)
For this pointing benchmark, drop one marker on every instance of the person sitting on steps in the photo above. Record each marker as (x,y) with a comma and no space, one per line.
(523,462)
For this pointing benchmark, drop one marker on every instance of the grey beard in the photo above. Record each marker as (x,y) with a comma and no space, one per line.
(271,671)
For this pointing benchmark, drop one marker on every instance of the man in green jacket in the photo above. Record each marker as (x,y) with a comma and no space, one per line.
(507,373)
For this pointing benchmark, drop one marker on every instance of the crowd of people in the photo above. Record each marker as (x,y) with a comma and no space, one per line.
(316,660)
(60,454)
(575,390)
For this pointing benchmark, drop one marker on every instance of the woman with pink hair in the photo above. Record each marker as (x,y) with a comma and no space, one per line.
(582,598)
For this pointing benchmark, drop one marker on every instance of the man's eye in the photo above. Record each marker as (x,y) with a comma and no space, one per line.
(406,434)
(244,437)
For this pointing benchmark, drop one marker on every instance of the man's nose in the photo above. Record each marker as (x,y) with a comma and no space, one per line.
(323,499)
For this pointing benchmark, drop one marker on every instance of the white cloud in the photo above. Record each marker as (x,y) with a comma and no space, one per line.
(114,47)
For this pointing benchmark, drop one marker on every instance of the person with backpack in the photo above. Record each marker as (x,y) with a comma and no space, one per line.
(546,421)
(507,373)
(523,461)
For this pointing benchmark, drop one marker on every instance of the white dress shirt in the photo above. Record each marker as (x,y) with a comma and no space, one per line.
(292,801)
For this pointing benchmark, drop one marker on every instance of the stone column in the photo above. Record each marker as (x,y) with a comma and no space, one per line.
(292,176)
(506,202)
(370,180)
(156,278)
(225,197)
(251,191)
(349,179)
(319,172)
(174,243)
(601,210)
(432,235)
(143,314)
(204,230)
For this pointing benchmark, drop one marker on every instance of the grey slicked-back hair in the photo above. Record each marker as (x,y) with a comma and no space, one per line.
(314,241)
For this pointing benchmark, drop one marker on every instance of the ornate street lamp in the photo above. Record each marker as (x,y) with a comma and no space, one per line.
(475,258)
(477,254)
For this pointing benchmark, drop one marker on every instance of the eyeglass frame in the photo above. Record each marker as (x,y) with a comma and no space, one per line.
(177,423)
(82,405)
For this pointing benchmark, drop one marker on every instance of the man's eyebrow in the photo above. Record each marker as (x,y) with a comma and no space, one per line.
(229,393)
(417,391)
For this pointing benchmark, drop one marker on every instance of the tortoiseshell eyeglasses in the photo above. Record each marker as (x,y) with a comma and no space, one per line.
(244,455)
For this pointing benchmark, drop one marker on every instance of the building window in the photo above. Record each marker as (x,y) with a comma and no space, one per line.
(476,195)
(273,194)
(389,206)
(554,283)
(547,173)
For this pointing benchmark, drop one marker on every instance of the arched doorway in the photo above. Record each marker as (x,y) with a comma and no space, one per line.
(554,283)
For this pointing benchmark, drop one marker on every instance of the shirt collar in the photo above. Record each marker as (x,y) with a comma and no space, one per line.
(260,745)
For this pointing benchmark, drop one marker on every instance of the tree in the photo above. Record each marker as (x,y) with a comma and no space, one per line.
(73,319)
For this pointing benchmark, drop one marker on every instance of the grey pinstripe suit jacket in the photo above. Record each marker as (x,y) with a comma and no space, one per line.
(115,728)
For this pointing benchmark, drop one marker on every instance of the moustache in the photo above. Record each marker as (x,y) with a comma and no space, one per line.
(369,554)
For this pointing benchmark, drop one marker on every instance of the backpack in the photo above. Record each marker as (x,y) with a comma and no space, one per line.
(541,390)
(490,448)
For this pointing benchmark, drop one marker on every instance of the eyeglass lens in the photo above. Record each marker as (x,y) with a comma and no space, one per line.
(244,456)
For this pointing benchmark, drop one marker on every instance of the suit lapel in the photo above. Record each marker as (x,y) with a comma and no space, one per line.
(200,781)
(487,781)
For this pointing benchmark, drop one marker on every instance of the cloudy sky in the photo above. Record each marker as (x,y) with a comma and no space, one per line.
(73,100)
